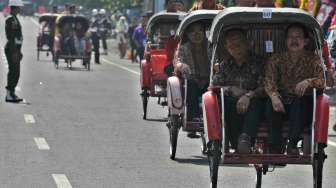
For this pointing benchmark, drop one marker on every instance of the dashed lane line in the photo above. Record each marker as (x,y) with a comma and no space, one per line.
(29,119)
(61,181)
(120,66)
(41,143)
(34,21)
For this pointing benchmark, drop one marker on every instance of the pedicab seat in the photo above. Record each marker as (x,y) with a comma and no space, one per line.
(159,62)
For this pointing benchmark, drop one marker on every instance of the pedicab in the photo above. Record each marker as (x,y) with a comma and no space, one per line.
(72,40)
(161,27)
(177,88)
(45,38)
(263,25)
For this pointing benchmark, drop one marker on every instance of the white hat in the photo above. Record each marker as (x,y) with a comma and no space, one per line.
(102,11)
(15,3)
(94,12)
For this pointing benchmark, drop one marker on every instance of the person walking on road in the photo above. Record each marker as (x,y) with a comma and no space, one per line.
(103,27)
(139,37)
(122,28)
(130,36)
(13,50)
(95,35)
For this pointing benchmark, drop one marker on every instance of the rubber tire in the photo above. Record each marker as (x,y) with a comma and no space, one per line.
(204,148)
(173,135)
(259,174)
(318,162)
(144,97)
(214,155)
(56,61)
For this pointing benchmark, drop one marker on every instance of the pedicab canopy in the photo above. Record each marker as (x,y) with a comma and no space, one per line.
(164,17)
(195,16)
(238,17)
(48,17)
(73,19)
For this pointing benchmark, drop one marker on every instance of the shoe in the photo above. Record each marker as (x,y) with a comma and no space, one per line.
(97,62)
(292,149)
(11,97)
(334,127)
(244,144)
(192,135)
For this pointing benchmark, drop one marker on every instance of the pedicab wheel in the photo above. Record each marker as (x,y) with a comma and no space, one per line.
(173,135)
(144,96)
(88,66)
(214,153)
(319,158)
(259,175)
(56,62)
(204,145)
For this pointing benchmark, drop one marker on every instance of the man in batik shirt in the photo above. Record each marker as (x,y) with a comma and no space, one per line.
(290,77)
(242,76)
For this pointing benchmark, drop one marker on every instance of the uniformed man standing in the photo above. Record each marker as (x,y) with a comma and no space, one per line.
(13,49)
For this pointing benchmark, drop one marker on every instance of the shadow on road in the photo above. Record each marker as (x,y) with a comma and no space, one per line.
(157,119)
(196,160)
(82,69)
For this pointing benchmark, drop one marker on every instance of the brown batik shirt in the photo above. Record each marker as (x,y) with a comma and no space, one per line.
(248,76)
(282,74)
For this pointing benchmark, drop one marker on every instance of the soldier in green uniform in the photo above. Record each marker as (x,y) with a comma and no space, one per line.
(13,50)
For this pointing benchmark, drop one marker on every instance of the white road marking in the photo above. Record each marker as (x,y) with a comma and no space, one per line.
(29,119)
(4,58)
(41,143)
(331,143)
(61,181)
(34,21)
(120,66)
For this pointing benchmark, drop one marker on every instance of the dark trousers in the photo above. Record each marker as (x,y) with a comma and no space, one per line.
(133,52)
(242,123)
(96,46)
(103,38)
(13,75)
(299,114)
(140,51)
(194,93)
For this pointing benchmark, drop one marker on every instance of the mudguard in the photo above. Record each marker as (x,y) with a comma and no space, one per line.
(174,96)
(322,119)
(211,116)
(146,74)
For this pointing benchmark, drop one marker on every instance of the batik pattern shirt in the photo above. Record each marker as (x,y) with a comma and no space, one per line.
(282,74)
(248,76)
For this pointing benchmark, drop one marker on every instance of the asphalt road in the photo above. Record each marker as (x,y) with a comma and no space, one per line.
(84,129)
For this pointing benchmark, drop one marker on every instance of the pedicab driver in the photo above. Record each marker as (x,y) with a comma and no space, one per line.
(13,50)
(207,4)
(289,78)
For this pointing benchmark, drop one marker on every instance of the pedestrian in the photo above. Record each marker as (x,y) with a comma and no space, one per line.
(139,37)
(102,29)
(130,36)
(175,6)
(95,35)
(13,50)
(207,4)
(122,29)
